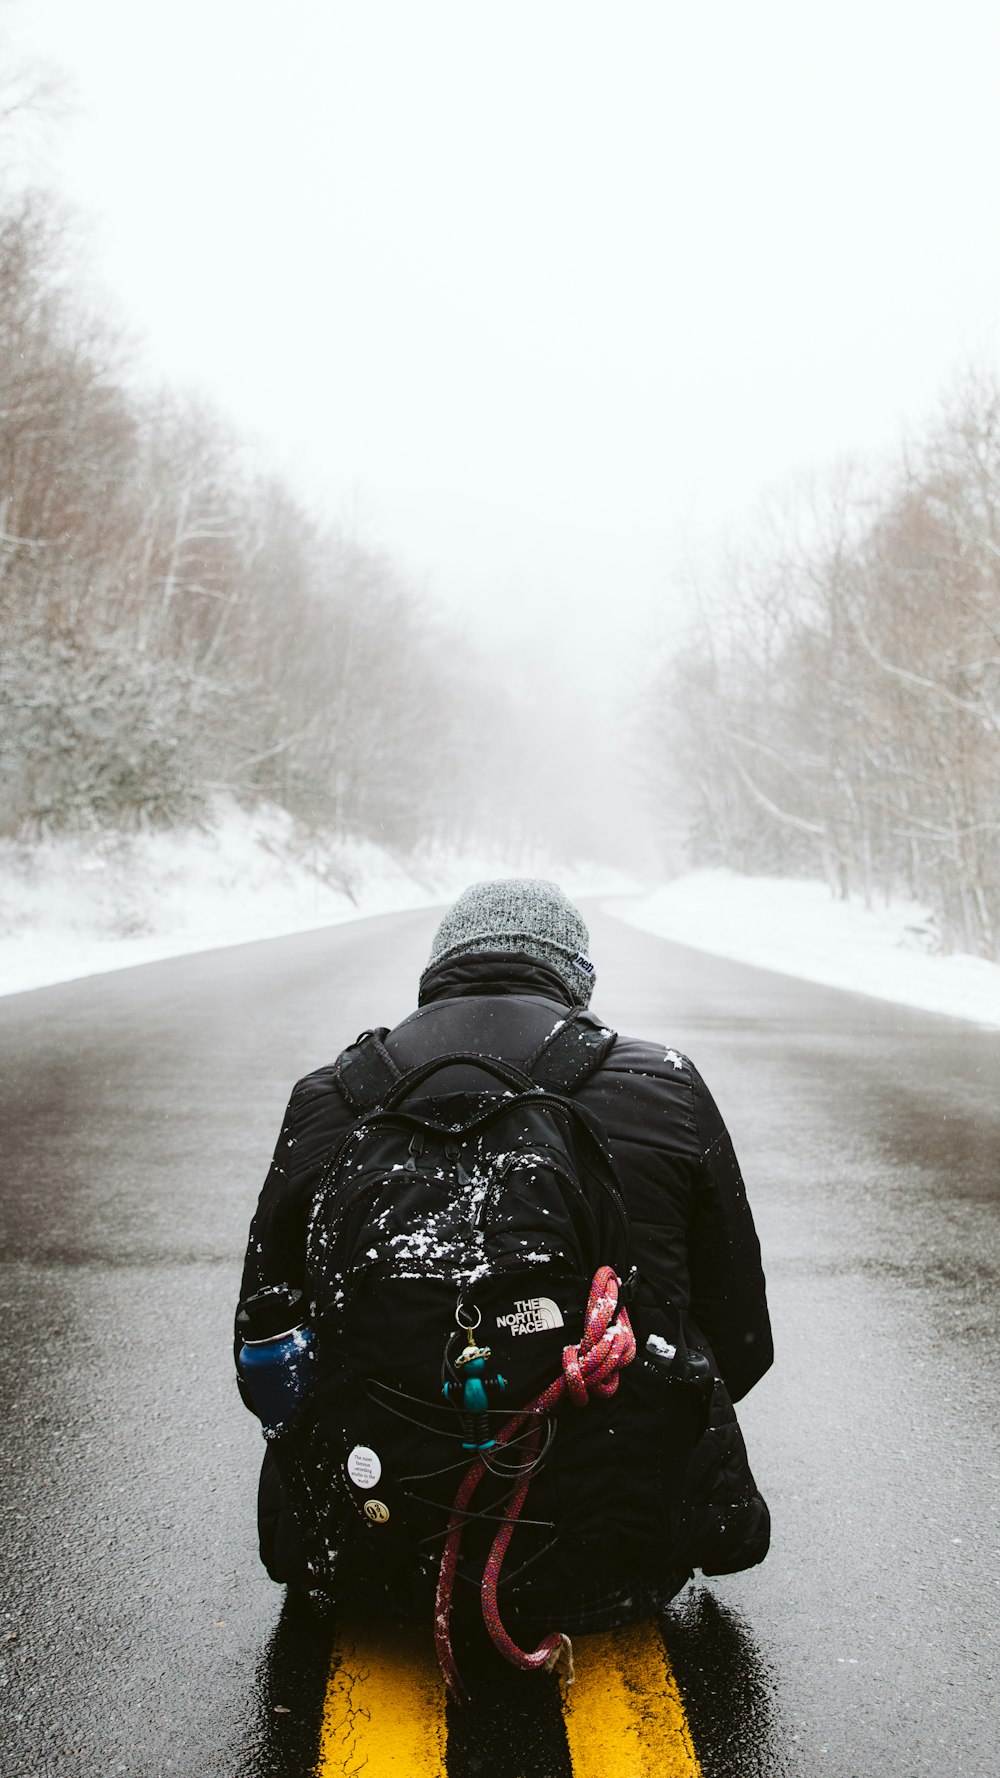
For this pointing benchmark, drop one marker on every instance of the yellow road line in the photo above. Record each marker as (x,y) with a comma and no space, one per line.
(384,1708)
(624,1715)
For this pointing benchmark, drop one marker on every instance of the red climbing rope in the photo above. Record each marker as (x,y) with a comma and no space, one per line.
(588,1369)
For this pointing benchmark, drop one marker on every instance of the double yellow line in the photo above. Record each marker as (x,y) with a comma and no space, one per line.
(384,1712)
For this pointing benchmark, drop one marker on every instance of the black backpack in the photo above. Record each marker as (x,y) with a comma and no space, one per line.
(451,1250)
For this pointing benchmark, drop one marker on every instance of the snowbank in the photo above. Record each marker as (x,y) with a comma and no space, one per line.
(797,928)
(73,908)
(70,908)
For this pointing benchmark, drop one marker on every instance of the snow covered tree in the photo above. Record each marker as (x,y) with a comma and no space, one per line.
(840,715)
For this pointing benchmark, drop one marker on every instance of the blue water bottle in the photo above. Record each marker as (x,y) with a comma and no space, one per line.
(276,1359)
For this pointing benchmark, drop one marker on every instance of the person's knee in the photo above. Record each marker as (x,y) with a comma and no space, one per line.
(740,1538)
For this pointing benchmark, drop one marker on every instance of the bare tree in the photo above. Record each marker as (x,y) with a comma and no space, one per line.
(841,717)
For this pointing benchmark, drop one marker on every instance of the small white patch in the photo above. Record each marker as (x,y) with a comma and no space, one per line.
(364,1467)
(676,1060)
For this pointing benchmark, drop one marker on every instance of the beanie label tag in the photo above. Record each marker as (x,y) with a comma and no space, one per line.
(583,964)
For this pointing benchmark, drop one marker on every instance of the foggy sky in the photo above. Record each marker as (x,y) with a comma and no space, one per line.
(542,297)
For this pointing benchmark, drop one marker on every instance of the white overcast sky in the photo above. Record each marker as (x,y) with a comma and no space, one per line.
(542,294)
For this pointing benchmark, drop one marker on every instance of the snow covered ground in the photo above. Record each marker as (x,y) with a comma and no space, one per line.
(70,908)
(797,928)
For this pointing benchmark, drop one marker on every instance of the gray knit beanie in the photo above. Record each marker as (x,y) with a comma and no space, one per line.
(519,914)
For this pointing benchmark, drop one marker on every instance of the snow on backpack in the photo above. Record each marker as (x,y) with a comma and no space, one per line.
(467,1279)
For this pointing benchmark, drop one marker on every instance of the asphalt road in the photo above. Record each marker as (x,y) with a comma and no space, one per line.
(138,1634)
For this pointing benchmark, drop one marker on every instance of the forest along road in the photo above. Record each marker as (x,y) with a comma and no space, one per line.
(139,1634)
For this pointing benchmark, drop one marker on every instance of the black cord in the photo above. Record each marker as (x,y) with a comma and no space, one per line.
(464,1461)
(480,1517)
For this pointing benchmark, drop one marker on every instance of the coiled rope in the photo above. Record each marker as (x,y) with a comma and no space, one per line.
(588,1369)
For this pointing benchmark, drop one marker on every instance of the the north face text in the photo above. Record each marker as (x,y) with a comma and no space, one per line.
(533,1314)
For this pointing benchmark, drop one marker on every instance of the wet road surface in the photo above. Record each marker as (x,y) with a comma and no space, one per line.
(138,1634)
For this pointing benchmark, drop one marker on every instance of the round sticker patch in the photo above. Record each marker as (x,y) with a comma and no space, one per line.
(363,1467)
(376,1511)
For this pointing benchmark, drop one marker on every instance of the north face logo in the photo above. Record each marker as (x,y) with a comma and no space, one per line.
(533,1314)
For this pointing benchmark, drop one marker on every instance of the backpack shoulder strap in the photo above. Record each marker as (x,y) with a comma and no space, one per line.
(571,1053)
(366,1072)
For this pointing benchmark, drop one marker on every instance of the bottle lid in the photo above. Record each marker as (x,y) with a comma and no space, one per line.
(270,1312)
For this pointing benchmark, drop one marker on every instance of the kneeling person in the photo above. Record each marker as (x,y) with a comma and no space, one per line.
(532,1291)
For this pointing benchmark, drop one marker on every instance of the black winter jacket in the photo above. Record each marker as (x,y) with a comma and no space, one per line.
(694,1241)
